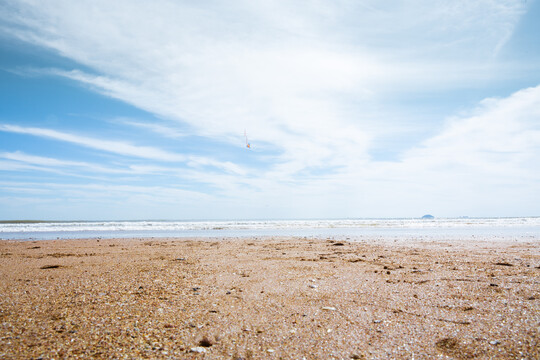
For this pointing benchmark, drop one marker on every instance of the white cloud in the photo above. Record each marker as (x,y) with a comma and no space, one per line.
(48,162)
(483,162)
(277,68)
(116,147)
(500,136)
(165,131)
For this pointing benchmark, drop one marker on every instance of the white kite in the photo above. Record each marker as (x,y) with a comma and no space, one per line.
(248,145)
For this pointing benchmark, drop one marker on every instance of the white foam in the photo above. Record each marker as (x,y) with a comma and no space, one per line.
(119,226)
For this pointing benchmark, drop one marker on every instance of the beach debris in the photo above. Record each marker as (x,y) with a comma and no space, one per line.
(447,344)
(50,266)
(495,342)
(377,321)
(329,308)
(503,264)
(313,286)
(198,349)
(206,342)
(270,350)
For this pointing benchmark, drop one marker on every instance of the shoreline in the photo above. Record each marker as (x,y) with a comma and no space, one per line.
(455,228)
(277,297)
(345,234)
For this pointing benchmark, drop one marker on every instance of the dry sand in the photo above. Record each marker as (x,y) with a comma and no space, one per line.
(269,299)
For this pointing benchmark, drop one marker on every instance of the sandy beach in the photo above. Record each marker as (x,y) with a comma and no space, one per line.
(272,298)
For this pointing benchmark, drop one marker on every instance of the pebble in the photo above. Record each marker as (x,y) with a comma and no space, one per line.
(312,286)
(330,308)
(495,342)
(198,349)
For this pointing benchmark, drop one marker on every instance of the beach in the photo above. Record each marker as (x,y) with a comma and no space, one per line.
(270,298)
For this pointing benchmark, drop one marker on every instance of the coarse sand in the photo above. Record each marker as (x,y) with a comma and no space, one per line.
(269,298)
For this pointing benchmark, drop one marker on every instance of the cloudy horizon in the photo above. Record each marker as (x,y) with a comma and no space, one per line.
(135,110)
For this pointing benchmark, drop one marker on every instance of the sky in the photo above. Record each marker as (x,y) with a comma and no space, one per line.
(141,110)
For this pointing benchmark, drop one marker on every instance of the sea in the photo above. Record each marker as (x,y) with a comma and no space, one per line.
(517,228)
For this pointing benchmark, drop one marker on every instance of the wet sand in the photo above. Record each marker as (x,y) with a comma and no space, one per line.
(282,298)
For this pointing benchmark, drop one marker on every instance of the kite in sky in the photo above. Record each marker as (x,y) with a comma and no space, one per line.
(248,145)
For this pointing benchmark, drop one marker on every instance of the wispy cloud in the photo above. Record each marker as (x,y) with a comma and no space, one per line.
(57,163)
(165,131)
(116,147)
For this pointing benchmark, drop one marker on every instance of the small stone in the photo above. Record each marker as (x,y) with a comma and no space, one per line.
(495,342)
(205,342)
(330,308)
(377,321)
(270,350)
(312,286)
(198,349)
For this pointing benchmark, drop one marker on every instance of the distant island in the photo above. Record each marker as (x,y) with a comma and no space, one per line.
(427,216)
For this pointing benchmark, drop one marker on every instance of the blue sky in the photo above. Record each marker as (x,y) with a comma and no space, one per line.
(137,110)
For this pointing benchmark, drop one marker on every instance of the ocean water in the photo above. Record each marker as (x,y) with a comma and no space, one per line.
(478,228)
